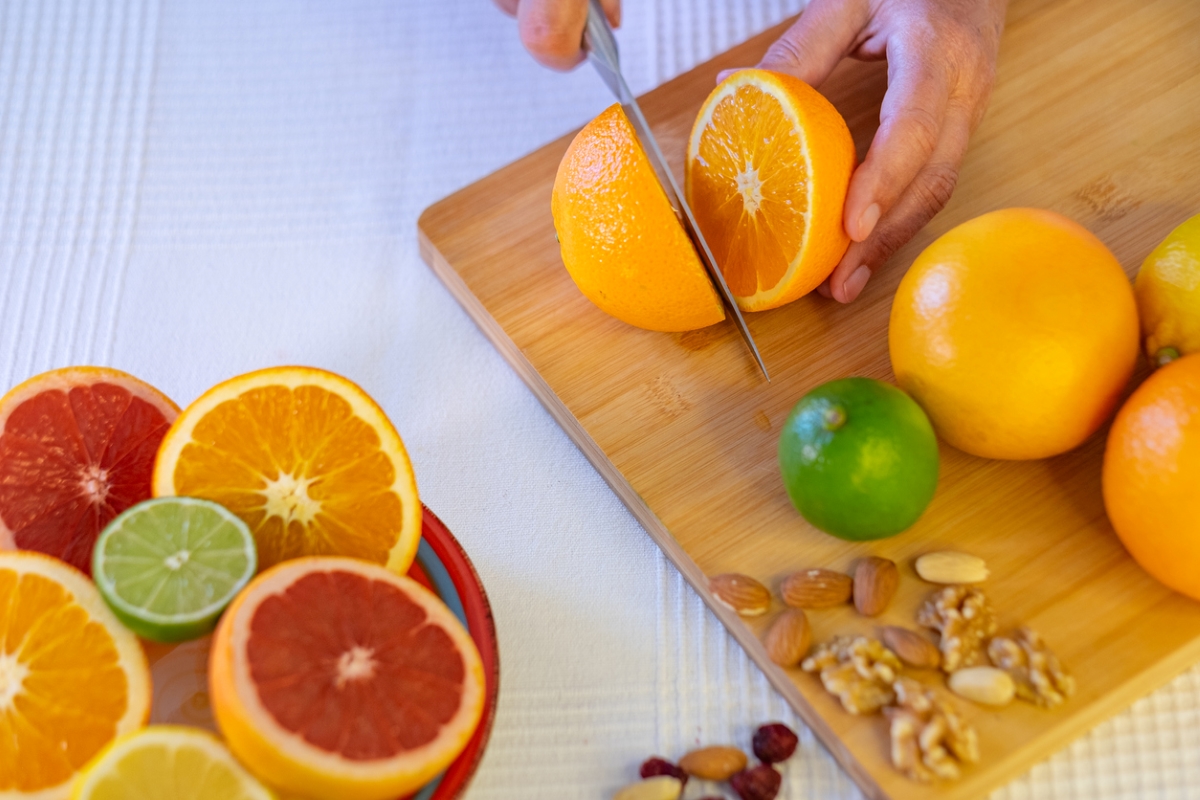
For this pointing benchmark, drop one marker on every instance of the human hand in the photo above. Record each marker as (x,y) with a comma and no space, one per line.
(552,30)
(941,58)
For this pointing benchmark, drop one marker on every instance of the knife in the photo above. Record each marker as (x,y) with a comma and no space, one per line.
(601,48)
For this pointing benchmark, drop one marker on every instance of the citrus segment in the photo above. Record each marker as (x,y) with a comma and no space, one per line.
(168,567)
(1017,332)
(77,447)
(620,239)
(71,677)
(306,459)
(1152,471)
(168,762)
(768,167)
(336,678)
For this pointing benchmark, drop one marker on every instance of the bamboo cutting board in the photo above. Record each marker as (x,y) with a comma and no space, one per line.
(1096,114)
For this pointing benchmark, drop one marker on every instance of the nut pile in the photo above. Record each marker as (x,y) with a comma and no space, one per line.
(662,780)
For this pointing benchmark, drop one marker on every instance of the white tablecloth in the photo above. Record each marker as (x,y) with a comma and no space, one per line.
(190,190)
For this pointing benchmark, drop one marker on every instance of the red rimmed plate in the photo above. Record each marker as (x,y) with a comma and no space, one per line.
(180,672)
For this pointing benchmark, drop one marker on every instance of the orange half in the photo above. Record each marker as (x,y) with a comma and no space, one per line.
(768,167)
(306,458)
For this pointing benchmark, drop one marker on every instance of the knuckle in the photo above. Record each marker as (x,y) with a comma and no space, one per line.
(548,38)
(783,52)
(924,128)
(934,186)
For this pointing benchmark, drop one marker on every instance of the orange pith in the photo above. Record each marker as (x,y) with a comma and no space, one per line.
(306,458)
(335,678)
(768,167)
(1017,332)
(1152,475)
(77,448)
(71,677)
(620,239)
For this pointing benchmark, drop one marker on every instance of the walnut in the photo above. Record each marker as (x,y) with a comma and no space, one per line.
(1035,670)
(965,620)
(859,671)
(929,738)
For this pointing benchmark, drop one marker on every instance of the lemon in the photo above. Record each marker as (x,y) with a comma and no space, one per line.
(1168,295)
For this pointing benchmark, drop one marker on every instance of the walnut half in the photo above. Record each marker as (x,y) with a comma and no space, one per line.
(929,738)
(859,671)
(965,620)
(1036,671)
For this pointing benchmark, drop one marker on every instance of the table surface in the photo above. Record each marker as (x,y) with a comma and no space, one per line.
(192,190)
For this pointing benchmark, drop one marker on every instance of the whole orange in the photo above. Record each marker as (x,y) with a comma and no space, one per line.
(620,239)
(1152,475)
(1016,332)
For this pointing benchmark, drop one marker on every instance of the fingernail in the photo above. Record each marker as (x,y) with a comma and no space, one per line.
(866,222)
(853,286)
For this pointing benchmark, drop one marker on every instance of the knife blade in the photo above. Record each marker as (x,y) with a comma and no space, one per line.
(601,47)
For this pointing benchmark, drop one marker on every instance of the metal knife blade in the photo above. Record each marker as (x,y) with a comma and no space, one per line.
(601,48)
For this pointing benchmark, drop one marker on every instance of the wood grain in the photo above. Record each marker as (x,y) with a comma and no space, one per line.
(1096,114)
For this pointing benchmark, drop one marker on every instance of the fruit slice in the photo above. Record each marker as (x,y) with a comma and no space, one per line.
(768,168)
(336,678)
(168,567)
(71,677)
(168,762)
(306,459)
(621,241)
(77,448)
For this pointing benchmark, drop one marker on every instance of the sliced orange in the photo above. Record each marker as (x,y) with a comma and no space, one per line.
(72,678)
(306,459)
(334,678)
(77,448)
(768,167)
(620,239)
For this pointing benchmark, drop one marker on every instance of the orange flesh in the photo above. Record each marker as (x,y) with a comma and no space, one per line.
(73,692)
(350,664)
(70,462)
(309,436)
(750,194)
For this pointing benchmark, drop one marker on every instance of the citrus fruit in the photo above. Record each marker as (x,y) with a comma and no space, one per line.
(1168,294)
(168,762)
(1151,475)
(77,448)
(335,678)
(620,239)
(305,458)
(71,677)
(1017,332)
(168,567)
(768,167)
(859,459)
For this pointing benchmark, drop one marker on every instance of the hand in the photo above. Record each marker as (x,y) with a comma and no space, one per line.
(552,30)
(941,58)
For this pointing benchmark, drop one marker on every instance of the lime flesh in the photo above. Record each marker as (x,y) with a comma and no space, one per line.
(168,567)
(859,459)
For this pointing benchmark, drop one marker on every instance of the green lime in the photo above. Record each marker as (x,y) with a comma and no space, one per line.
(168,567)
(859,459)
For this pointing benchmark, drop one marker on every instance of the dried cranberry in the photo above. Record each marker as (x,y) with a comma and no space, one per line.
(660,766)
(760,783)
(774,742)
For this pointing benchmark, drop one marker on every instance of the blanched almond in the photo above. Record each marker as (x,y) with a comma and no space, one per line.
(816,588)
(951,567)
(660,787)
(986,685)
(740,593)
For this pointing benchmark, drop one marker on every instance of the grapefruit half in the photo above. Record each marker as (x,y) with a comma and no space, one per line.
(332,677)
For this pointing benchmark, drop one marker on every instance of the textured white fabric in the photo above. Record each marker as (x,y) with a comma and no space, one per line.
(189,190)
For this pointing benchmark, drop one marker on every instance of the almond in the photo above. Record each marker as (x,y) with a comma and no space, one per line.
(714,763)
(660,787)
(986,685)
(912,648)
(875,583)
(788,638)
(948,566)
(816,588)
(740,593)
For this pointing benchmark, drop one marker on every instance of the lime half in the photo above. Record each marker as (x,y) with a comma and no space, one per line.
(168,567)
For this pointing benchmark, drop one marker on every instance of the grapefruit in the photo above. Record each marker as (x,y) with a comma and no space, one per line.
(77,448)
(335,678)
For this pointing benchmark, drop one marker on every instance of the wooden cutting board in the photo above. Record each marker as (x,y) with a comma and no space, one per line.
(1096,114)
